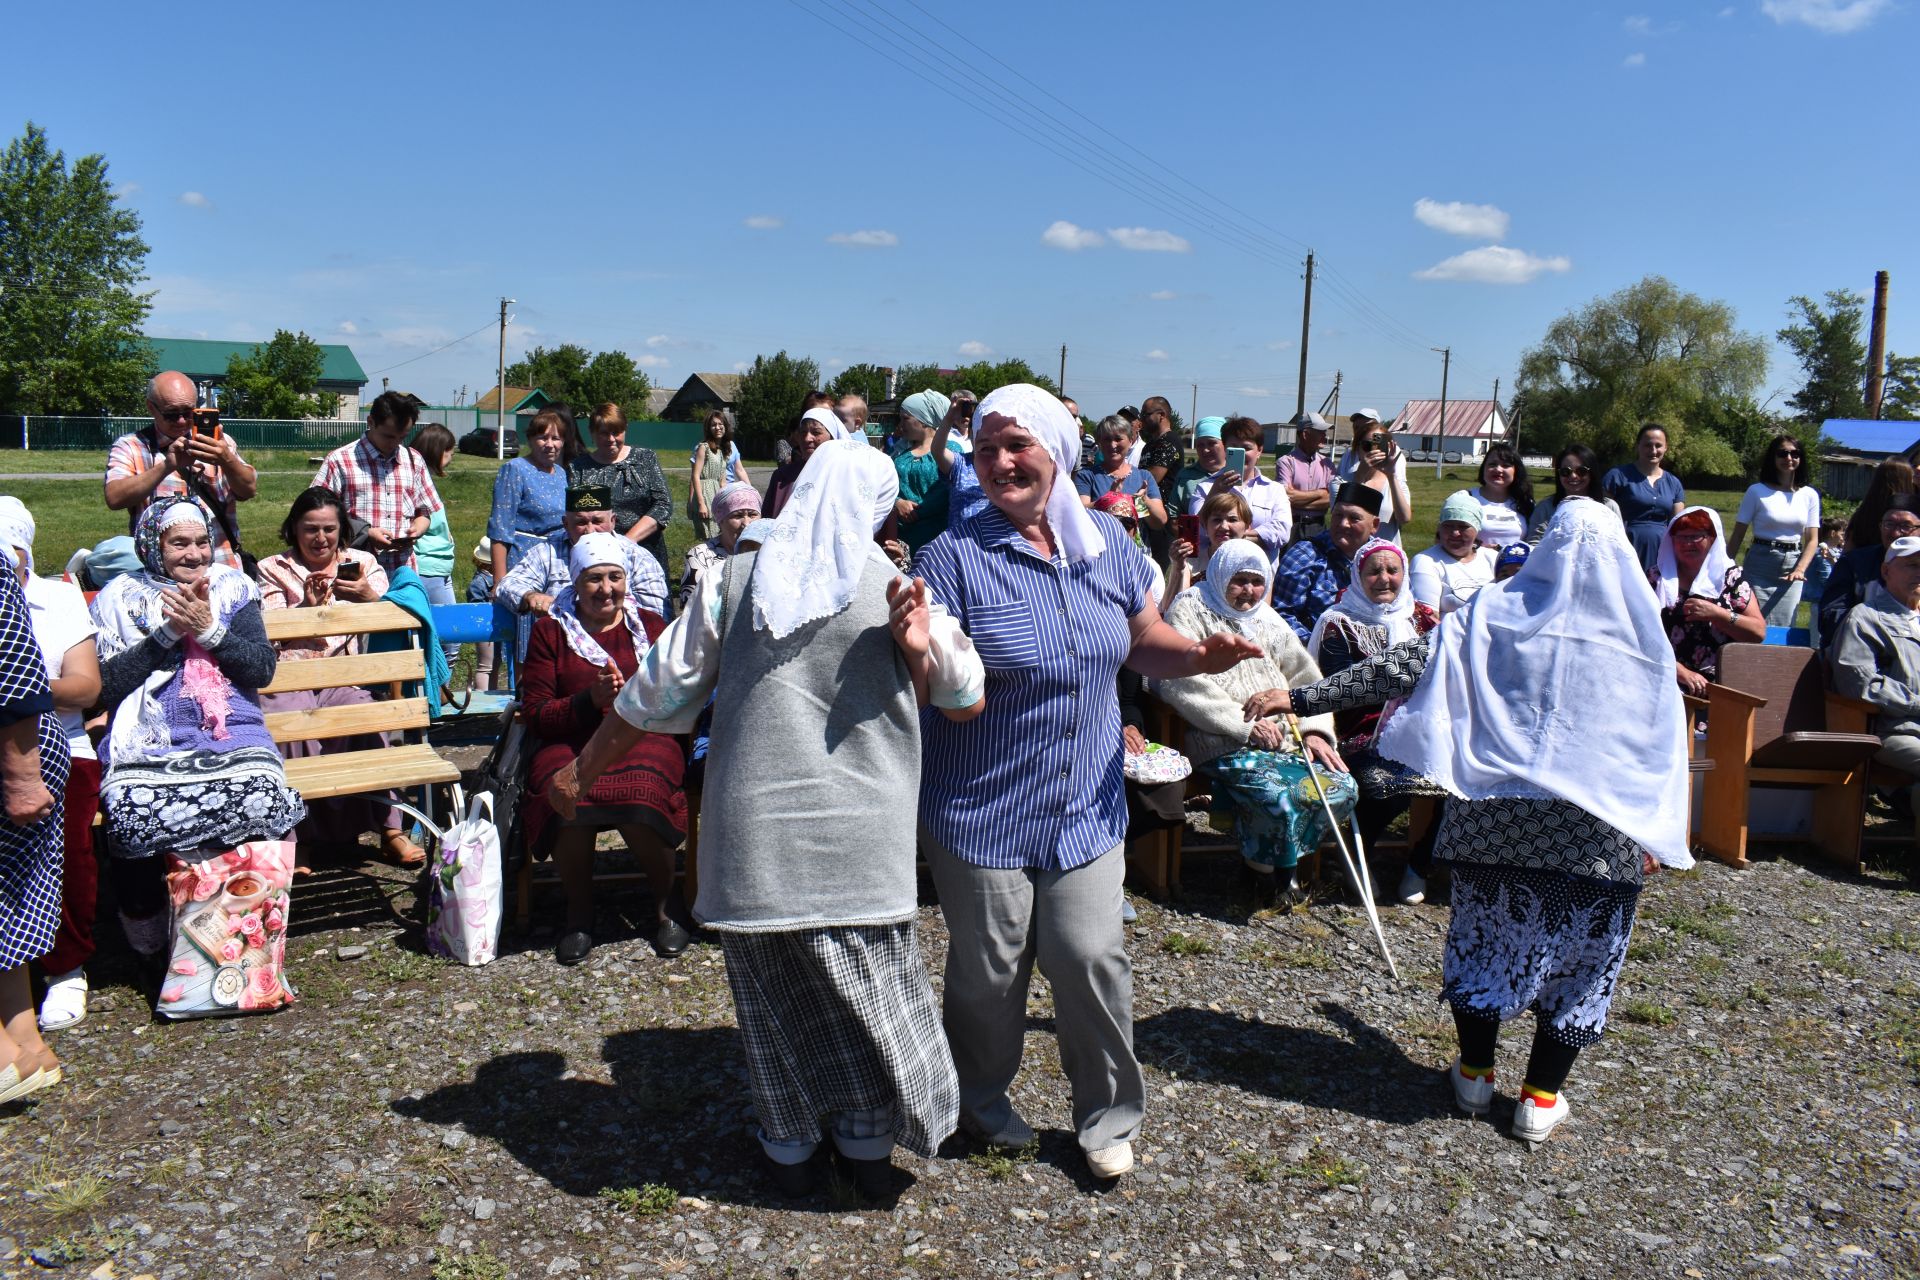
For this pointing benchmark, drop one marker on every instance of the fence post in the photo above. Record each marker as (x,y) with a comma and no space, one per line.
(26,435)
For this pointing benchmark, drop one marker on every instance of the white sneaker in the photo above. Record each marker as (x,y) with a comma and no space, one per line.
(1413,888)
(1110,1162)
(66,1002)
(1532,1123)
(1472,1096)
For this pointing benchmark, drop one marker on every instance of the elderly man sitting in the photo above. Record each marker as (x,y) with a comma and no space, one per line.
(1876,657)
(544,572)
(1312,572)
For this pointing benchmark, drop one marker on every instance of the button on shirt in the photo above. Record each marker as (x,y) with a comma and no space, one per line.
(1034,781)
(386,492)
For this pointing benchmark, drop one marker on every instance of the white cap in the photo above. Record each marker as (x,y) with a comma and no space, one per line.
(1901,549)
(1371,415)
(1310,422)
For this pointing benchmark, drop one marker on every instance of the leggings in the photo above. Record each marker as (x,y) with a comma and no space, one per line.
(1547,1066)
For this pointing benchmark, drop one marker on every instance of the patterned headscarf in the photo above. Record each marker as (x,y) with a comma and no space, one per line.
(811,563)
(734,497)
(1356,606)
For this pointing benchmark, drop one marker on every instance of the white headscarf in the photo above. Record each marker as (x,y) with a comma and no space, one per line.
(1559,682)
(828,419)
(1040,412)
(16,527)
(591,551)
(810,564)
(1355,605)
(1712,578)
(1232,557)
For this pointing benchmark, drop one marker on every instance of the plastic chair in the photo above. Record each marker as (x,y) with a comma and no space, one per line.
(1798,636)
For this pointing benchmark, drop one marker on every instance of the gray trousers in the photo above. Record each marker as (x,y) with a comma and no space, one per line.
(999,923)
(1901,751)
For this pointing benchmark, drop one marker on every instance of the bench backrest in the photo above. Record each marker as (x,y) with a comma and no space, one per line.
(392,669)
(1788,677)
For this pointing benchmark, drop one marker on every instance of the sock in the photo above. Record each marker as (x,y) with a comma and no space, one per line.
(1541,1096)
(1476,1073)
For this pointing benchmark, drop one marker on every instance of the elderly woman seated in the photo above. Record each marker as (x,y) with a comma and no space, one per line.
(734,507)
(1704,599)
(1445,575)
(1374,613)
(189,764)
(1876,657)
(1256,766)
(578,658)
(316,569)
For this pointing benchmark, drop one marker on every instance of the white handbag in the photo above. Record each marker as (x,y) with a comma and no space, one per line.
(466,893)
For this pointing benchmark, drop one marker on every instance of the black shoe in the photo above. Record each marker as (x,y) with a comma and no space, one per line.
(793,1180)
(670,939)
(574,946)
(873,1179)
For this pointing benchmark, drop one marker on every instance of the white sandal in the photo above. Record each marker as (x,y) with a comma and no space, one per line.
(66,1001)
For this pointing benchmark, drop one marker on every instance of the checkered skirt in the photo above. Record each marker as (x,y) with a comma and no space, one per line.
(842,1019)
(30,857)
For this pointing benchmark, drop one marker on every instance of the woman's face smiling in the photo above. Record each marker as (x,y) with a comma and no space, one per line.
(1014,467)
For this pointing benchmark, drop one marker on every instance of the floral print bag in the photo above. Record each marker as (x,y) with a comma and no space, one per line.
(229,932)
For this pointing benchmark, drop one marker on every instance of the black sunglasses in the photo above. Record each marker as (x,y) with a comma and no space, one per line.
(1790,453)
(1575,471)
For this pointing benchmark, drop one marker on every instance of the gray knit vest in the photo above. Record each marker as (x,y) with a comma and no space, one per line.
(807,815)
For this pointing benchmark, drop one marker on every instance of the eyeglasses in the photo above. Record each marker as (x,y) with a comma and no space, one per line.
(1575,471)
(173,415)
(1893,524)
(1790,453)
(1691,536)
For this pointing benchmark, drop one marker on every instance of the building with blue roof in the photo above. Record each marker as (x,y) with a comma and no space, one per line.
(1874,438)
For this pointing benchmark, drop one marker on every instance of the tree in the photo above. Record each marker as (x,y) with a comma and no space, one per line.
(1900,394)
(980,377)
(1827,344)
(70,255)
(770,396)
(864,380)
(1646,353)
(584,380)
(278,380)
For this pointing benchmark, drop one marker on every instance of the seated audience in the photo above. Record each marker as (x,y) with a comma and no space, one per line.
(317,569)
(543,572)
(1858,568)
(1255,766)
(189,764)
(1833,545)
(1112,473)
(1576,474)
(384,485)
(734,507)
(1446,574)
(1704,598)
(1272,514)
(1876,657)
(1313,571)
(583,651)
(1504,495)
(91,568)
(488,669)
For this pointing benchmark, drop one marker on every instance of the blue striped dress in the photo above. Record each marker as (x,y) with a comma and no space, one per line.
(1034,781)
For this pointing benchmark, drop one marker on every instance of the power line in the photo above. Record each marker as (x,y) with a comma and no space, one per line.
(436,351)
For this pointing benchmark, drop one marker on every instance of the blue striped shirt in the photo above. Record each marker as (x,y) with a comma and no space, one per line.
(1035,780)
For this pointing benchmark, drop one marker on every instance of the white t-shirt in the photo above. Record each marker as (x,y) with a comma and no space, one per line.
(1343,472)
(1500,522)
(1444,584)
(60,621)
(1779,515)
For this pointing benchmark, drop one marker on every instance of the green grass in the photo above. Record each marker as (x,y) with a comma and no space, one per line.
(1647,1013)
(1705,925)
(482,1265)
(1001,1163)
(642,1202)
(1182,944)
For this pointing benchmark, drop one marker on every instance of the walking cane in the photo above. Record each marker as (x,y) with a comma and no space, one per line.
(1357,873)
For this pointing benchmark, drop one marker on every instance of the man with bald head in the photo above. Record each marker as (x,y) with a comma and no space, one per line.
(151,462)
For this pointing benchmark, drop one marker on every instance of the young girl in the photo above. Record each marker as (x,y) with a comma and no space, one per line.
(433,550)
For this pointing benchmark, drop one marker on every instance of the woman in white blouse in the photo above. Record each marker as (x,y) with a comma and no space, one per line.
(1447,574)
(1505,496)
(1784,516)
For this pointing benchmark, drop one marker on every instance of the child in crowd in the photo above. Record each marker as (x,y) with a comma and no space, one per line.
(486,674)
(1833,544)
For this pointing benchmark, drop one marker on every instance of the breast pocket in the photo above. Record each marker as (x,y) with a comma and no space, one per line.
(1004,635)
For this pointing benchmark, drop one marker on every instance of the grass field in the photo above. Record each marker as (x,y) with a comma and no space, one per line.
(71,513)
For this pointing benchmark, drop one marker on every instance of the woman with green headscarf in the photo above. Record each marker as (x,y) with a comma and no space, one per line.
(922,470)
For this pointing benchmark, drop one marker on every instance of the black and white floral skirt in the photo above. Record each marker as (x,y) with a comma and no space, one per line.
(198,801)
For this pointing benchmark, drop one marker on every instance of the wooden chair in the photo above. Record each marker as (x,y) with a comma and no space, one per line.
(1771,721)
(410,764)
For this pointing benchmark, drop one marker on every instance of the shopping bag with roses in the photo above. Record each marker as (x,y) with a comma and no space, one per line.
(229,932)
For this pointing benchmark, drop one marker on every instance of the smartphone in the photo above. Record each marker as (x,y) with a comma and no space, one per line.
(206,422)
(349,571)
(1189,529)
(1236,459)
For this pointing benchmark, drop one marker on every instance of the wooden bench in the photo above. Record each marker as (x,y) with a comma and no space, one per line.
(342,773)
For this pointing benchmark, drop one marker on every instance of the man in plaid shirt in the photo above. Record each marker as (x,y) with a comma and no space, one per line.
(148,464)
(1314,571)
(383,482)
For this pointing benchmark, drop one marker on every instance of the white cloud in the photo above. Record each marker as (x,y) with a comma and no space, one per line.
(1633,60)
(1157,356)
(1280,344)
(194,200)
(835,362)
(1256,392)
(1485,221)
(1148,240)
(865,239)
(1493,264)
(127,190)
(1831,17)
(349,328)
(1727,12)
(975,350)
(1065,235)
(741,366)
(764,222)
(1639,24)
(652,362)
(1163,295)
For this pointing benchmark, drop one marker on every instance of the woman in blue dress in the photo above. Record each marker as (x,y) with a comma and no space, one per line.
(1648,495)
(530,492)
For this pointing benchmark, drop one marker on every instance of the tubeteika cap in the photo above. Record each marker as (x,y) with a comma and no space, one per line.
(590,497)
(1355,494)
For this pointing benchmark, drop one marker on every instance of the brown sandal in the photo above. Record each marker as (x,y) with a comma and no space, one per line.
(397,849)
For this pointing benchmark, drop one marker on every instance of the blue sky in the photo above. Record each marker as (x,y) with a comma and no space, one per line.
(698,183)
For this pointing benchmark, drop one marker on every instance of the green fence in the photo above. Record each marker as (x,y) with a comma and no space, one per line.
(97,434)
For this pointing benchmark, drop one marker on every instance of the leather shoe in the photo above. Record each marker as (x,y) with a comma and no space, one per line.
(573,947)
(874,1179)
(793,1180)
(670,939)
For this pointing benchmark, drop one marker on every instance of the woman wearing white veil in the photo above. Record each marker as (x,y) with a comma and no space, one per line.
(1548,708)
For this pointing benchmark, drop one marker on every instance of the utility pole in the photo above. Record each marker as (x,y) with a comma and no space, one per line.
(1446,363)
(1306,320)
(1193,406)
(1493,419)
(500,409)
(1877,346)
(1063,368)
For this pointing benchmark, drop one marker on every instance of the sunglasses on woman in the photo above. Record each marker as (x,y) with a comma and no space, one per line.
(1790,453)
(1574,471)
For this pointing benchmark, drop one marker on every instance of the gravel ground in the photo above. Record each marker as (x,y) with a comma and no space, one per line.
(1749,1112)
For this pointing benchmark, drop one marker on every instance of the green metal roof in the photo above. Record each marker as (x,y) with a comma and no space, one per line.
(205,358)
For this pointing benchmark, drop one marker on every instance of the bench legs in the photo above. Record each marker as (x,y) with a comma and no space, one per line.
(1839,819)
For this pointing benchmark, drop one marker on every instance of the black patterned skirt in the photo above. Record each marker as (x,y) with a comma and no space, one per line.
(197,801)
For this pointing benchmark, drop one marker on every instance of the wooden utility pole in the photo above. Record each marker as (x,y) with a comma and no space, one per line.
(1193,406)
(500,410)
(1063,368)
(1306,322)
(1446,363)
(1877,346)
(1493,419)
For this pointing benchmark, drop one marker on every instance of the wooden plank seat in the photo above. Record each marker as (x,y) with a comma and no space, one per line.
(344,773)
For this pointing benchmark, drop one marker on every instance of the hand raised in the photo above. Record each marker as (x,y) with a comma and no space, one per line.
(1222,651)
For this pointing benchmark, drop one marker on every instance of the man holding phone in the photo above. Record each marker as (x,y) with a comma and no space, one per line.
(1272,513)
(385,484)
(154,461)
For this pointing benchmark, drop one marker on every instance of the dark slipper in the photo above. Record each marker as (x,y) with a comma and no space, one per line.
(671,938)
(573,947)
